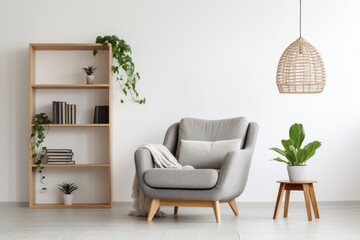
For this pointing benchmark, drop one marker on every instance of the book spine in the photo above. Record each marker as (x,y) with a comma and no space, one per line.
(63,109)
(106,114)
(53,150)
(74,113)
(54,111)
(67,113)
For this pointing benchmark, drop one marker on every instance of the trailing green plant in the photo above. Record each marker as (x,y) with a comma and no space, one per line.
(67,188)
(38,151)
(123,68)
(89,70)
(294,154)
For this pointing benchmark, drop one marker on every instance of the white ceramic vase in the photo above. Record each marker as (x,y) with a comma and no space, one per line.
(90,79)
(297,173)
(68,199)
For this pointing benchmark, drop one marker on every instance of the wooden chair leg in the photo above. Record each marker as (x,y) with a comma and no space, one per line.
(216,208)
(233,206)
(278,200)
(155,204)
(286,207)
(176,208)
(307,200)
(313,201)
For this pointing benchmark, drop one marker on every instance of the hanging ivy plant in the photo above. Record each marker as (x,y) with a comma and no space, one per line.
(38,135)
(123,68)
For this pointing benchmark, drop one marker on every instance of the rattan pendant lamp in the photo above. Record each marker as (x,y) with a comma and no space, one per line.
(301,69)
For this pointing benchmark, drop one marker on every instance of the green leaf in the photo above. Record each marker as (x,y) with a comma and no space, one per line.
(297,134)
(311,148)
(286,144)
(280,160)
(278,150)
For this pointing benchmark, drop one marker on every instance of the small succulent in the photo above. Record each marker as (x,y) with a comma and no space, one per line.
(67,188)
(89,70)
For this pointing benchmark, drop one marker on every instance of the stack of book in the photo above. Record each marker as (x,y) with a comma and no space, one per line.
(63,113)
(59,156)
(101,114)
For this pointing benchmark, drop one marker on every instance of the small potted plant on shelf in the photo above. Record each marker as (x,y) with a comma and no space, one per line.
(90,78)
(67,189)
(296,157)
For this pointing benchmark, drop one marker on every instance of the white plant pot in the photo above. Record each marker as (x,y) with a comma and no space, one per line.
(68,199)
(297,173)
(90,79)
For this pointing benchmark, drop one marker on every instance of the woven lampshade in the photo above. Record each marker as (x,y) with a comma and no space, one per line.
(300,69)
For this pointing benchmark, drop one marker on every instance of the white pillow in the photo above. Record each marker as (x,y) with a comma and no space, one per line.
(205,154)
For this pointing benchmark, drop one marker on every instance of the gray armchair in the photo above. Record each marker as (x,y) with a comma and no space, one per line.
(209,183)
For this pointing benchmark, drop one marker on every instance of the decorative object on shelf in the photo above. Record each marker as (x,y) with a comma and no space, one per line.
(301,68)
(67,189)
(38,135)
(90,78)
(101,114)
(63,113)
(296,157)
(59,156)
(123,67)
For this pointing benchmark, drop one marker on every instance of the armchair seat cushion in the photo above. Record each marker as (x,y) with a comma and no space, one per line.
(181,179)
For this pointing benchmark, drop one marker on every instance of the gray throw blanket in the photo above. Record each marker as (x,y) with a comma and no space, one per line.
(163,158)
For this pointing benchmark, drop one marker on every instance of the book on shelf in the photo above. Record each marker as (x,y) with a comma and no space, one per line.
(54,150)
(101,114)
(56,154)
(59,155)
(63,113)
(49,157)
(59,159)
(61,163)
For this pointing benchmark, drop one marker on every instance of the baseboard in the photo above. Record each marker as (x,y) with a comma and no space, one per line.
(14,204)
(272,204)
(240,204)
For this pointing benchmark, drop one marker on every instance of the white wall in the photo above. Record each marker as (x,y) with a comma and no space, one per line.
(199,58)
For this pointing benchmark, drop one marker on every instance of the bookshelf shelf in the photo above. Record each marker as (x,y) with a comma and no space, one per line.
(79,125)
(88,140)
(75,205)
(70,86)
(102,165)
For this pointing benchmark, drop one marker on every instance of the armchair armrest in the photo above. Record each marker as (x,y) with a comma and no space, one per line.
(234,173)
(143,162)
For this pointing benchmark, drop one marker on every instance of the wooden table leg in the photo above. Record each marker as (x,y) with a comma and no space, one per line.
(286,207)
(307,200)
(278,200)
(313,201)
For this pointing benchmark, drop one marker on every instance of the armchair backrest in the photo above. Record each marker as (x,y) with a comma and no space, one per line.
(207,130)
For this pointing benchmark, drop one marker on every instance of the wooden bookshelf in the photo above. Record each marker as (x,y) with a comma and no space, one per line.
(72,88)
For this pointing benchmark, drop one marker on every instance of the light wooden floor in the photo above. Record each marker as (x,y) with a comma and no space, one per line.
(254,221)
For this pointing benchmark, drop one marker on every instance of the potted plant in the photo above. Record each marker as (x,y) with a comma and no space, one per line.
(295,156)
(90,78)
(67,189)
(38,151)
(123,68)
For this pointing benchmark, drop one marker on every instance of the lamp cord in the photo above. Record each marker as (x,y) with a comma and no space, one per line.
(300,20)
